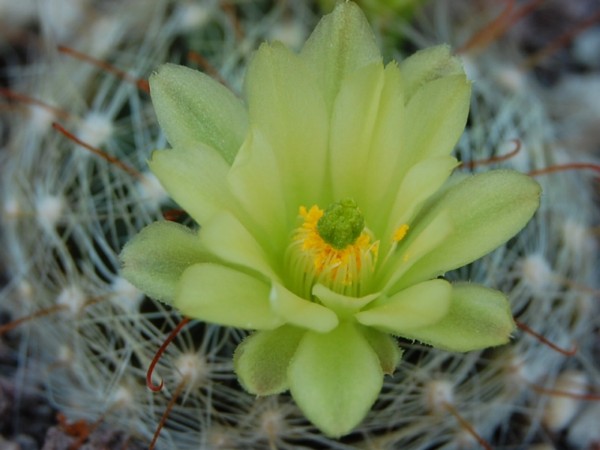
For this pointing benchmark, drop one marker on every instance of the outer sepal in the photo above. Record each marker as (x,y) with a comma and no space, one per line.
(386,348)
(193,108)
(155,259)
(261,361)
(478,318)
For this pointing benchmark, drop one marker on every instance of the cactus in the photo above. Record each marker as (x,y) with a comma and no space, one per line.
(66,214)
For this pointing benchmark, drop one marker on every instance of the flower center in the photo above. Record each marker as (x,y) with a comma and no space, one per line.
(332,247)
(341,224)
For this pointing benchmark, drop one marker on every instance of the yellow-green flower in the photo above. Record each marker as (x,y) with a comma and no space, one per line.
(328,215)
(380,8)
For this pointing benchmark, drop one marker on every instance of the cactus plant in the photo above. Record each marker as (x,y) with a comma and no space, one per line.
(66,214)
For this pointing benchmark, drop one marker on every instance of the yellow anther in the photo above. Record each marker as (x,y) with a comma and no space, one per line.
(325,257)
(400,233)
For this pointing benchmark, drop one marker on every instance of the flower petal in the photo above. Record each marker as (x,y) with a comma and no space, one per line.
(335,378)
(155,259)
(255,181)
(341,43)
(478,318)
(485,210)
(343,305)
(419,242)
(416,306)
(386,347)
(218,294)
(380,174)
(428,65)
(261,361)
(226,238)
(436,117)
(301,312)
(422,181)
(353,120)
(193,108)
(195,179)
(287,108)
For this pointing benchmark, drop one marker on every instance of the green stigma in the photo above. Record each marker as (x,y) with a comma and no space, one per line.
(341,224)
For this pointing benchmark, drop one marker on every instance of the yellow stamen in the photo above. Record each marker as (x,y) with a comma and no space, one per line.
(331,265)
(400,233)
